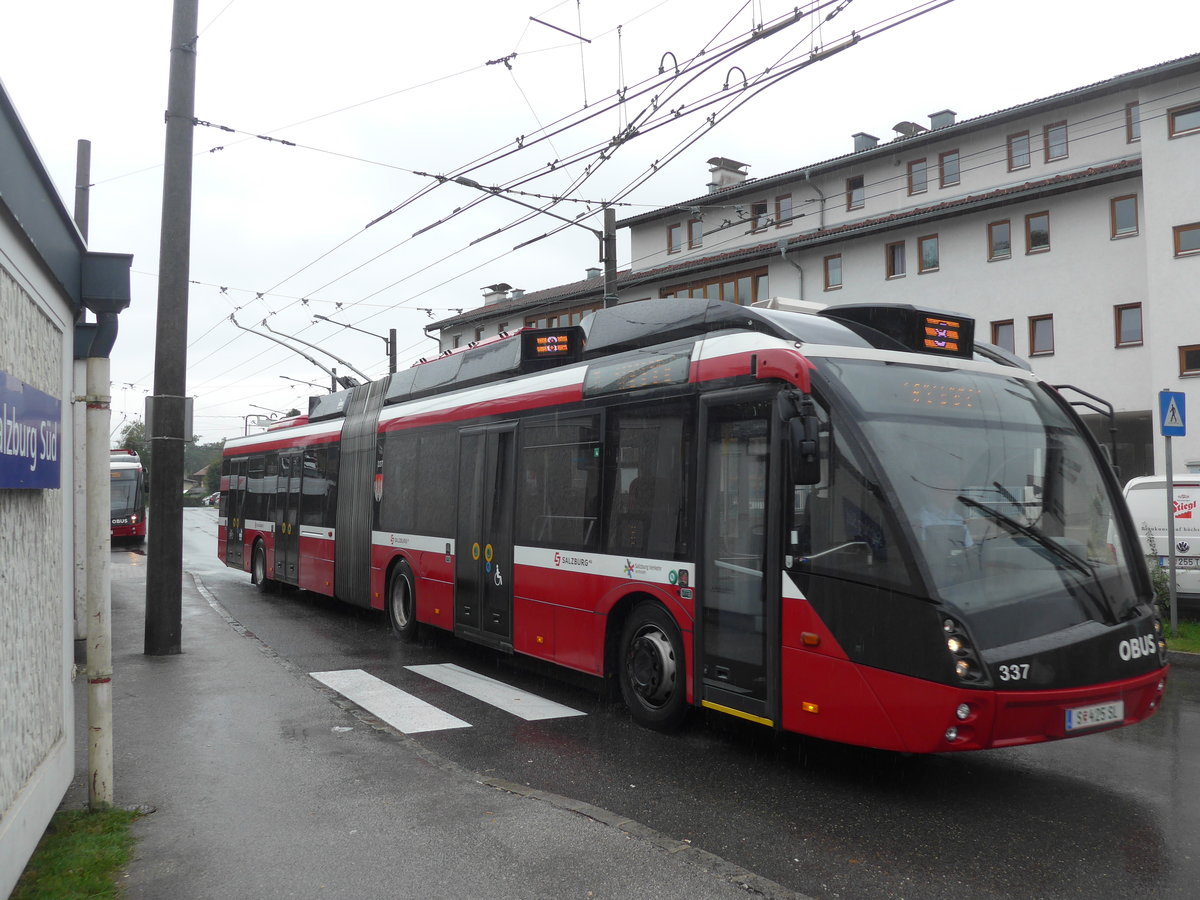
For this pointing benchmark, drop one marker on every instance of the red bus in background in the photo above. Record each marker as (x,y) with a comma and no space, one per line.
(127,487)
(849,522)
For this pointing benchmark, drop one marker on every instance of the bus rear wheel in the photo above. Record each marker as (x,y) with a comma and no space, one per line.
(258,568)
(651,669)
(402,603)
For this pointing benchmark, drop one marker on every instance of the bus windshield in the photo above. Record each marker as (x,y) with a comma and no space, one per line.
(123,488)
(1004,500)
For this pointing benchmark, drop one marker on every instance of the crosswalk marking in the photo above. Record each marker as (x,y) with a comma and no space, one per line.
(527,706)
(404,712)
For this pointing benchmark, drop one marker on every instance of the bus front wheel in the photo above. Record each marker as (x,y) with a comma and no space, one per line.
(402,603)
(651,668)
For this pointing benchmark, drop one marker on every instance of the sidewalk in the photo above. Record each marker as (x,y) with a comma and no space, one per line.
(263,788)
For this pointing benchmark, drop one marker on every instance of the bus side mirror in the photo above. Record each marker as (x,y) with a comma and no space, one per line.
(804,449)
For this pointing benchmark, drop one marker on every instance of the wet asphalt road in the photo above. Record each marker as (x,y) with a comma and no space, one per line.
(1110,814)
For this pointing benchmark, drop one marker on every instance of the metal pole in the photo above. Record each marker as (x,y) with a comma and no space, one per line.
(99,589)
(164,563)
(392,351)
(83,177)
(610,257)
(1171,539)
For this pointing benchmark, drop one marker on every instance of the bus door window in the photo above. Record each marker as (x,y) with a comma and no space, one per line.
(287,534)
(648,512)
(233,508)
(734,587)
(483,567)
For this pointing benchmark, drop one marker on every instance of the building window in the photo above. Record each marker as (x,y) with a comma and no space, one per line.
(948,171)
(928,259)
(758,216)
(1189,360)
(1187,239)
(999,240)
(742,288)
(855,192)
(894,257)
(1041,335)
(1056,141)
(1018,151)
(1128,324)
(695,233)
(502,328)
(783,210)
(674,237)
(833,272)
(479,334)
(456,342)
(1123,215)
(918,177)
(572,316)
(1004,334)
(1037,232)
(1183,120)
(1133,123)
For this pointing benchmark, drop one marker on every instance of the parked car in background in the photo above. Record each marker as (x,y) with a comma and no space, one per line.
(212,499)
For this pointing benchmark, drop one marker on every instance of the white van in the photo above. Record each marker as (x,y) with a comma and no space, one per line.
(1147,500)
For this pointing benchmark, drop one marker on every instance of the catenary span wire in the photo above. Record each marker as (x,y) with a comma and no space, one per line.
(260,296)
(982,152)
(602,148)
(578,117)
(736,235)
(1074,139)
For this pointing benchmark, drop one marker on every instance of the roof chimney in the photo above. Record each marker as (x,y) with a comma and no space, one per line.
(942,119)
(725,173)
(494,293)
(864,141)
(592,272)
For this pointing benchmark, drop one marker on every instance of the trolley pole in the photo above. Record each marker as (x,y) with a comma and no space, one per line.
(164,564)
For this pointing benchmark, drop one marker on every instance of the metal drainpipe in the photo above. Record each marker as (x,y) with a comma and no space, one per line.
(795,265)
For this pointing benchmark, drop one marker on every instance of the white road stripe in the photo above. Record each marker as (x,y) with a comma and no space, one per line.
(404,712)
(529,707)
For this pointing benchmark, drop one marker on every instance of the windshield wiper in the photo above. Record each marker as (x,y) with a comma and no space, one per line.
(1080,565)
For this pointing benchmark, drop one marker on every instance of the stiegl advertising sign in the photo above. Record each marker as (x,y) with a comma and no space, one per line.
(30,429)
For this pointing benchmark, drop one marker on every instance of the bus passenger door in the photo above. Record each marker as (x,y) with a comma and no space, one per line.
(233,501)
(484,536)
(287,512)
(738,619)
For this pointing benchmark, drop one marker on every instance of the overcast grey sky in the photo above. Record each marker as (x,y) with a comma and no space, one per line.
(372,92)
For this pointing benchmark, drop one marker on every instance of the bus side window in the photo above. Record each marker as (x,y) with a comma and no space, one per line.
(559,482)
(648,511)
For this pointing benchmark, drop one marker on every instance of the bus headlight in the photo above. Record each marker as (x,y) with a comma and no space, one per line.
(967,666)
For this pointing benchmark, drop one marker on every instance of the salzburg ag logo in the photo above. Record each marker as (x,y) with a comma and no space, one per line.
(1183,508)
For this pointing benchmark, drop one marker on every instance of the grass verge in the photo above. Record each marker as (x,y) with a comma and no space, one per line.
(1188,639)
(79,856)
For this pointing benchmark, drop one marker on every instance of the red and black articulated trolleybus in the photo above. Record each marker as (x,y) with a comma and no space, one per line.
(127,490)
(847,522)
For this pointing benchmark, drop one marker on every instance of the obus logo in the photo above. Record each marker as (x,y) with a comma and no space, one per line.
(1136,648)
(1183,508)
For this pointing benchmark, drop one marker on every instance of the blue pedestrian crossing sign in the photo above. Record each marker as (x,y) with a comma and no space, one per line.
(1171,413)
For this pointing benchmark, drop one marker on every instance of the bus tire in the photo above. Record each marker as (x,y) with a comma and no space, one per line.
(258,568)
(402,602)
(650,668)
